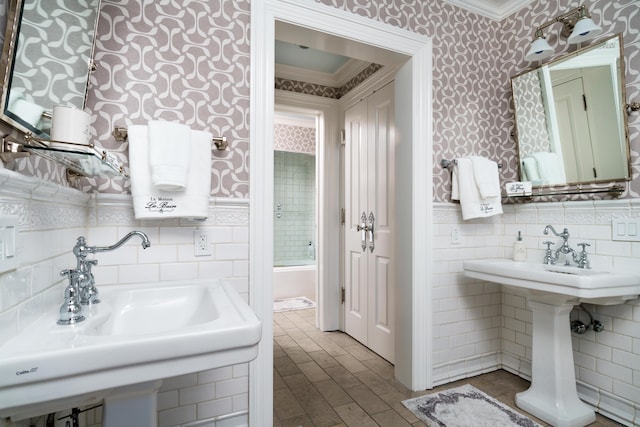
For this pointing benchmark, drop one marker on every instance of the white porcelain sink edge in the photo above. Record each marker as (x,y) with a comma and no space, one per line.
(605,288)
(52,362)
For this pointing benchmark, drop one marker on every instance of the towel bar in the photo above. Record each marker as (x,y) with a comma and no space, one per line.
(120,134)
(448,163)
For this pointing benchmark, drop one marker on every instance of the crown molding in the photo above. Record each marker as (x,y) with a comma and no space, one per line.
(496,10)
(349,70)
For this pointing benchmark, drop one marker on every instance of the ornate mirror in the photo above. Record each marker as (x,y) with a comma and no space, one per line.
(571,121)
(46,59)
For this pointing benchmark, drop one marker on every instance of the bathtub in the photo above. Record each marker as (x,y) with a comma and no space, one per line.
(295,281)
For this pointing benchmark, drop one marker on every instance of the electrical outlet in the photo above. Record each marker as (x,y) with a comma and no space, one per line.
(455,236)
(201,243)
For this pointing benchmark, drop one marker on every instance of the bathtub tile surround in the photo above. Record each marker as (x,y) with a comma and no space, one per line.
(53,216)
(294,208)
(607,363)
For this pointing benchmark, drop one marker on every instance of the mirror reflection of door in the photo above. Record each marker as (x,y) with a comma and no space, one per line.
(587,118)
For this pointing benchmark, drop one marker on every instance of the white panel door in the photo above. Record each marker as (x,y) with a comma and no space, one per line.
(573,126)
(369,284)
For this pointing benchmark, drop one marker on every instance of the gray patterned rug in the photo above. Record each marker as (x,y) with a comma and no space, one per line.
(290,304)
(463,407)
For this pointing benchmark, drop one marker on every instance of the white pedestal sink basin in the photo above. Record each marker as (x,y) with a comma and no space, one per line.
(137,335)
(552,291)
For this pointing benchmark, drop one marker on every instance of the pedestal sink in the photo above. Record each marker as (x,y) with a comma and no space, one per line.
(138,335)
(552,291)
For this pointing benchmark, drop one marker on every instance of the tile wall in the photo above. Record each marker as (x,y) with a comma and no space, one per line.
(471,338)
(294,232)
(58,215)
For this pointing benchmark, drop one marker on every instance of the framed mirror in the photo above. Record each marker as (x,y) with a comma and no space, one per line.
(46,59)
(571,121)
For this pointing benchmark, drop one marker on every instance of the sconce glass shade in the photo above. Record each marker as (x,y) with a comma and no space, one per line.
(585,29)
(539,49)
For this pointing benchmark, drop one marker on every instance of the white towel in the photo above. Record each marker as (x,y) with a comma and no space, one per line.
(148,201)
(485,172)
(26,110)
(550,169)
(530,167)
(169,155)
(465,189)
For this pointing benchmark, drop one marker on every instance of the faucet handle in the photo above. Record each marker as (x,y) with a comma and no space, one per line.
(583,246)
(549,244)
(583,261)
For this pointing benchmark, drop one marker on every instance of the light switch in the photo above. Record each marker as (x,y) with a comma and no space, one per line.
(625,229)
(8,241)
(632,229)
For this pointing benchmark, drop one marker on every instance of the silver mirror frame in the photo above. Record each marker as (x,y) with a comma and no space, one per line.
(623,109)
(14,16)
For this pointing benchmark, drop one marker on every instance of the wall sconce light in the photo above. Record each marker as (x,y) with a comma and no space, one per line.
(577,25)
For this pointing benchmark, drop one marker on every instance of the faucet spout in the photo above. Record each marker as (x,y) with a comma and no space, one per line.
(81,250)
(145,242)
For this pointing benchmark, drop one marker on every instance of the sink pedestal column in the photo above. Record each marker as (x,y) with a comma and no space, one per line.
(553,396)
(134,405)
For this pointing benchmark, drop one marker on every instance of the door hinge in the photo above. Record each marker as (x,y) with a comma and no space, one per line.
(584,101)
(342,216)
(342,295)
(343,137)
(595,174)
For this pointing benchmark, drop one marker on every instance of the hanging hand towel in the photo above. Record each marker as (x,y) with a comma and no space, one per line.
(150,202)
(169,155)
(485,172)
(465,189)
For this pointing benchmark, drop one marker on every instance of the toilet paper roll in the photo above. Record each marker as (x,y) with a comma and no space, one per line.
(69,124)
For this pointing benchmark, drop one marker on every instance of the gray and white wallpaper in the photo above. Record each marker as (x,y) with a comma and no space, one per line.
(296,139)
(189,61)
(533,135)
(55,43)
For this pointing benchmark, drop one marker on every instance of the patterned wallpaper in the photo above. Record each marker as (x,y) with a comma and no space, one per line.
(67,28)
(177,60)
(326,91)
(297,139)
(533,136)
(189,61)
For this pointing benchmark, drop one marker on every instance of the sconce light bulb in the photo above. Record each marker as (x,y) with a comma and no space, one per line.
(539,49)
(585,29)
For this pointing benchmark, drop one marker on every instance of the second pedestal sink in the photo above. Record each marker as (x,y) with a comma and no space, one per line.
(552,291)
(138,335)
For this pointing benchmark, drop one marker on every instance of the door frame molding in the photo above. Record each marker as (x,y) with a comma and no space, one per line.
(325,110)
(414,79)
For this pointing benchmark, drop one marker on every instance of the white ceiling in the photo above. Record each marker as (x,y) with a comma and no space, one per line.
(331,61)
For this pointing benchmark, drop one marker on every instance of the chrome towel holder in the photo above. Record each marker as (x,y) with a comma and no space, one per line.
(120,134)
(448,163)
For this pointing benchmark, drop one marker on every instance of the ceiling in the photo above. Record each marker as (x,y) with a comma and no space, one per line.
(319,58)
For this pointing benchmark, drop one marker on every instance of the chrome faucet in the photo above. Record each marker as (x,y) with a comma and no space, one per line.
(581,259)
(81,290)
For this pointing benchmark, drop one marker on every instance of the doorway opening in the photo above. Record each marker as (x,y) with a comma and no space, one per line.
(295,210)
(413,205)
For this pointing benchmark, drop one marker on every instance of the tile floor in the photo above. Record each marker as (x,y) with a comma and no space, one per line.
(330,379)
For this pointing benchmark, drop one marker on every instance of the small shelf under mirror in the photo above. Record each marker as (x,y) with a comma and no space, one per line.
(82,160)
(614,191)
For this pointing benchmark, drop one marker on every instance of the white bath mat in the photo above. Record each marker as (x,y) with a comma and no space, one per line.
(463,407)
(290,304)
